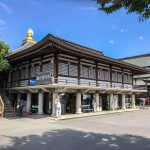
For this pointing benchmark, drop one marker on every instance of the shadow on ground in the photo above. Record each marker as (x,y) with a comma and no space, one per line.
(27,116)
(75,140)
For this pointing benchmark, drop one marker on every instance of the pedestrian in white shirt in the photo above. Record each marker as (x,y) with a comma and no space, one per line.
(58,107)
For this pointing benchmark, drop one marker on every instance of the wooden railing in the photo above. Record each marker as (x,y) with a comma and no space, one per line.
(1,107)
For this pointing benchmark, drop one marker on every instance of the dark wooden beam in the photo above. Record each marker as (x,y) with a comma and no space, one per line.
(56,68)
(96,71)
(110,76)
(41,64)
(79,71)
(122,77)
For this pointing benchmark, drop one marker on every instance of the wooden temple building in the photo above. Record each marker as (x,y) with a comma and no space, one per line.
(77,74)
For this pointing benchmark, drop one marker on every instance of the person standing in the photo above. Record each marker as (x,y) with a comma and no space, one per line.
(58,107)
(20,108)
(94,104)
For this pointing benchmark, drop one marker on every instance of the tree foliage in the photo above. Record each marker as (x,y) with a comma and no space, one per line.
(4,52)
(140,7)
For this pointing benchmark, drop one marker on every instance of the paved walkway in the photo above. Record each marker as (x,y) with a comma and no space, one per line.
(118,131)
(90,114)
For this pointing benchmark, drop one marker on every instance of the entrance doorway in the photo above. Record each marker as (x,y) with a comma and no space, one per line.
(47,103)
(34,103)
(105,104)
(68,103)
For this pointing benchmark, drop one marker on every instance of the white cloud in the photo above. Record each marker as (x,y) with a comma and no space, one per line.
(2,22)
(141,37)
(6,8)
(122,30)
(111,42)
(113,27)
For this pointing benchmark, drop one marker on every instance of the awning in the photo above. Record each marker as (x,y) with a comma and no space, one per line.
(67,88)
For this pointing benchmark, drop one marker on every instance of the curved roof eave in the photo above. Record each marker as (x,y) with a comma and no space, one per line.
(75,47)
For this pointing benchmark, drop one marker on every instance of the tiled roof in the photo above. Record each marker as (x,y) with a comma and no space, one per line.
(23,47)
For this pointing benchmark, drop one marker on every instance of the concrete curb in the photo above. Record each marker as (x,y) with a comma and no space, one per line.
(74,116)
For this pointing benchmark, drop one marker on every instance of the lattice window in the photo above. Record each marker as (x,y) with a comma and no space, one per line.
(73,70)
(119,77)
(103,74)
(92,73)
(114,76)
(26,73)
(22,73)
(125,78)
(130,79)
(84,71)
(63,68)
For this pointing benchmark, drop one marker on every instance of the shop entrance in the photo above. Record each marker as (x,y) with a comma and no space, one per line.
(87,102)
(68,103)
(105,104)
(47,104)
(34,103)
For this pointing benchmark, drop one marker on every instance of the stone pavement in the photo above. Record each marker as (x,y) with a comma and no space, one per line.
(119,131)
(90,114)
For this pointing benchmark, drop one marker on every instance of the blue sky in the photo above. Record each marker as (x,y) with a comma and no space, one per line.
(117,35)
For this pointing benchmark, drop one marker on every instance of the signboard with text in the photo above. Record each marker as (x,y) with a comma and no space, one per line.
(44,78)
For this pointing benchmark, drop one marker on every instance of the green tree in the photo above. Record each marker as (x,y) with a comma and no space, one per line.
(140,7)
(4,52)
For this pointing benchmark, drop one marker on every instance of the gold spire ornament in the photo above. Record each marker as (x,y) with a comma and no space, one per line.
(29,38)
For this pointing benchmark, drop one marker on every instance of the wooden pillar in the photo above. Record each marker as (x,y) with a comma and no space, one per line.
(79,71)
(54,96)
(78,103)
(19,76)
(11,74)
(110,76)
(28,102)
(123,102)
(97,101)
(40,103)
(111,100)
(96,74)
(133,101)
(122,78)
(41,64)
(55,68)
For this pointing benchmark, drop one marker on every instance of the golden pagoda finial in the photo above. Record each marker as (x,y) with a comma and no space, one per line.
(30,33)
(29,38)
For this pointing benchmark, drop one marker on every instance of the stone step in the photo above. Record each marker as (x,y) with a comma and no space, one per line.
(8,110)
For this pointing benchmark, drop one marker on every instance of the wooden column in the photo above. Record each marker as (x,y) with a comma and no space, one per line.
(96,74)
(111,101)
(55,68)
(133,101)
(41,64)
(11,77)
(110,76)
(79,71)
(122,78)
(40,103)
(78,103)
(123,101)
(29,69)
(28,102)
(19,77)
